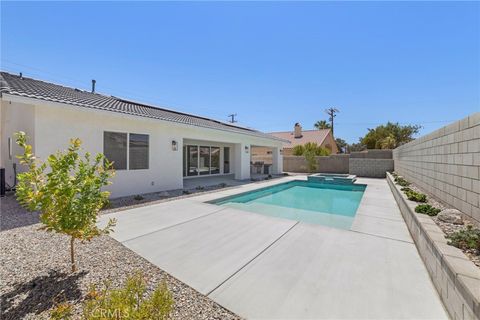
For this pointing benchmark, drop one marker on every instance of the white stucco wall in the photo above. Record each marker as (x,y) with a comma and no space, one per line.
(51,125)
(14,117)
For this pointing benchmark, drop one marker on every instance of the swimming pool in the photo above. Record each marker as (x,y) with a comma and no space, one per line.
(326,204)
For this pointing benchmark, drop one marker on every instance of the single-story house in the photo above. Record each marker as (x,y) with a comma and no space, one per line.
(153,149)
(322,137)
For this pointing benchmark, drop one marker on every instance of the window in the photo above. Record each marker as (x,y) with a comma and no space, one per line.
(138,153)
(226,160)
(215,160)
(115,149)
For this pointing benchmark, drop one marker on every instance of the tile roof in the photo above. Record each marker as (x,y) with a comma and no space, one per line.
(31,88)
(317,136)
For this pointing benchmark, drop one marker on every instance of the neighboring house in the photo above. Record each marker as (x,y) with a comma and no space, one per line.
(322,137)
(153,149)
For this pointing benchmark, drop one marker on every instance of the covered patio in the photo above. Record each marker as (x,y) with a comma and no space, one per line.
(207,163)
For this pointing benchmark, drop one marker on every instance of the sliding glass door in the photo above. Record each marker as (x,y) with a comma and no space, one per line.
(201,160)
(204,166)
(192,160)
(214,160)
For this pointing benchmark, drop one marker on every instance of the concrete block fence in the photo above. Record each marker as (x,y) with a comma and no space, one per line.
(446,164)
(370,163)
(372,168)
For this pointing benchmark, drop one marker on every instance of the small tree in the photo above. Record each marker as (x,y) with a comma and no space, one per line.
(298,150)
(389,136)
(341,144)
(69,195)
(311,159)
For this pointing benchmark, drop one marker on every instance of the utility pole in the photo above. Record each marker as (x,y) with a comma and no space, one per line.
(232,116)
(331,112)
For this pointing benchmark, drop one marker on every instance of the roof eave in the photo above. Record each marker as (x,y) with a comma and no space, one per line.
(261,135)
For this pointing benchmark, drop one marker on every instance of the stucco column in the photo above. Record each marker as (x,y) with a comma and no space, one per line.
(242,161)
(277,161)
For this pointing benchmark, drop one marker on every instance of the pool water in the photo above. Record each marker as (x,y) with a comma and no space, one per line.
(326,204)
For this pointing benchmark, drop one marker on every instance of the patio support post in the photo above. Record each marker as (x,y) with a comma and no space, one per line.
(277,161)
(242,161)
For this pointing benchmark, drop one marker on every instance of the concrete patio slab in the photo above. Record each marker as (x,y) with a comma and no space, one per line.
(140,221)
(265,267)
(388,228)
(315,272)
(205,252)
(379,202)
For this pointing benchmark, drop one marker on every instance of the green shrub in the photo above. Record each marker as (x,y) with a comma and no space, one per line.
(138,197)
(107,204)
(129,302)
(402,182)
(394,174)
(416,196)
(298,150)
(406,189)
(310,147)
(427,209)
(466,239)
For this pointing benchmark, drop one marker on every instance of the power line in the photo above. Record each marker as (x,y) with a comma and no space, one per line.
(81,83)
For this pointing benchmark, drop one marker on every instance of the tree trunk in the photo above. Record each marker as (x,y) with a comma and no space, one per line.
(72,254)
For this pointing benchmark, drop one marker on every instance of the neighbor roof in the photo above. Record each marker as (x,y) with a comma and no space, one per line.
(31,88)
(317,136)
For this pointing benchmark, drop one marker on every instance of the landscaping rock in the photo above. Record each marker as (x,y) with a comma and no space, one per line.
(451,216)
(35,271)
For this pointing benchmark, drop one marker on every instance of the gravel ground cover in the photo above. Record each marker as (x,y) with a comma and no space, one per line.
(449,228)
(35,271)
(155,197)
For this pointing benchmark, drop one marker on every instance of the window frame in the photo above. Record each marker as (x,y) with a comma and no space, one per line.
(148,151)
(127,162)
(126,148)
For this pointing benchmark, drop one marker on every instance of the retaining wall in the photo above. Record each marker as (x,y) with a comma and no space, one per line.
(455,277)
(446,163)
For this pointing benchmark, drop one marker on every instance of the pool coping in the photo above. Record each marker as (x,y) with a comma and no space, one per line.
(454,275)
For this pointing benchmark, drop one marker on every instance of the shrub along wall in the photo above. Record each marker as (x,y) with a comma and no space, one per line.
(446,163)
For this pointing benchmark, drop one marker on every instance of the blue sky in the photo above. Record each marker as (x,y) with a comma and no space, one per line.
(272,63)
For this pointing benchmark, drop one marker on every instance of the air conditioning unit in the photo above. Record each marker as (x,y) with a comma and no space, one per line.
(2,182)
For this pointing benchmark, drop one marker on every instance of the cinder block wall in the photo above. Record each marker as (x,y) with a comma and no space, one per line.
(446,163)
(373,168)
(337,163)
